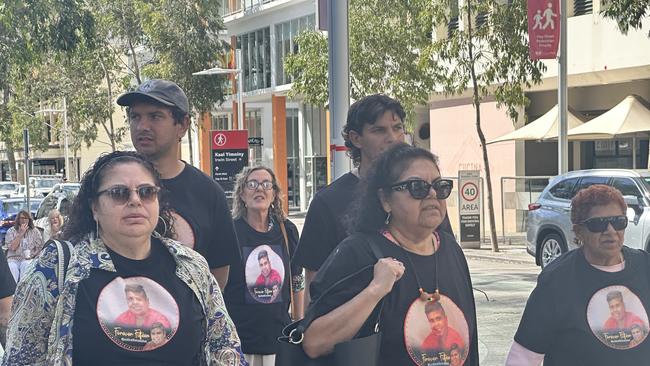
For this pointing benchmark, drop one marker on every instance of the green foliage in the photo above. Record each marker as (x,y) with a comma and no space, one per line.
(80,50)
(308,68)
(386,39)
(499,53)
(184,37)
(628,13)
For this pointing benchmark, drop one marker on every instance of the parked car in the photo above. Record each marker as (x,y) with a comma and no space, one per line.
(7,188)
(21,191)
(43,184)
(67,188)
(9,207)
(61,200)
(549,231)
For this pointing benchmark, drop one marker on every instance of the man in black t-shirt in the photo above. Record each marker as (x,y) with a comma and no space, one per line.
(158,118)
(374,123)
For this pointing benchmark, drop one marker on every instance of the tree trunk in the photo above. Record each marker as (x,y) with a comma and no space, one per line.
(9,144)
(11,157)
(134,57)
(479,130)
(110,131)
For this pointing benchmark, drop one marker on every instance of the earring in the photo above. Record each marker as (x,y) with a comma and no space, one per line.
(96,228)
(387,221)
(160,218)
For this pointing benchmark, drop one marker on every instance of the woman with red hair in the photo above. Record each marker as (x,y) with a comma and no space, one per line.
(588,302)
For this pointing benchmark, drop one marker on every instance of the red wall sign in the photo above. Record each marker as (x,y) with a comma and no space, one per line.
(543,28)
(226,140)
(229,157)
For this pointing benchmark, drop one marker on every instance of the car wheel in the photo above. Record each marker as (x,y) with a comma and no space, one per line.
(552,247)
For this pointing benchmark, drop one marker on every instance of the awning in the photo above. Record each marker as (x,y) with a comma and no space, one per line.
(543,128)
(629,117)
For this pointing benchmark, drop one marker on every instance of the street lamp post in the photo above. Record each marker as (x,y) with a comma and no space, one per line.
(224,71)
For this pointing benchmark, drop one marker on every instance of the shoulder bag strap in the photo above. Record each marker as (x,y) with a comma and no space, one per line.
(286,245)
(310,314)
(64,252)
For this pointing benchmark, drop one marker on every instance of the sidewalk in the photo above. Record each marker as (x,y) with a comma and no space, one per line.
(512,251)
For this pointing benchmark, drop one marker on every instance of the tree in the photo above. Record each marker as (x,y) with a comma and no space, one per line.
(628,13)
(386,40)
(489,57)
(28,33)
(169,39)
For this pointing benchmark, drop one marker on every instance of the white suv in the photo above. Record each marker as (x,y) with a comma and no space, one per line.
(549,230)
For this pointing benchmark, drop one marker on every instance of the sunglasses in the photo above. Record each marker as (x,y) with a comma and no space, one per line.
(253,184)
(419,188)
(122,194)
(600,224)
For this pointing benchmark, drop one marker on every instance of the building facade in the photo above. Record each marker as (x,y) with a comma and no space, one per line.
(604,67)
(264,31)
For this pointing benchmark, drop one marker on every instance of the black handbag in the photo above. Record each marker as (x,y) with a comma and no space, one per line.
(359,351)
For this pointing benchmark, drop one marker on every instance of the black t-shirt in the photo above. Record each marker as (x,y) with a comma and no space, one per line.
(572,316)
(258,304)
(407,337)
(7,283)
(140,315)
(325,225)
(205,218)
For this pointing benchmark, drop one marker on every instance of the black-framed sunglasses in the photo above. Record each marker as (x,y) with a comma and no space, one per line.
(122,194)
(252,184)
(600,224)
(419,188)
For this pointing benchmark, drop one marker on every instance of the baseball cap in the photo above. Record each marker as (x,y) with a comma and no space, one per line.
(161,91)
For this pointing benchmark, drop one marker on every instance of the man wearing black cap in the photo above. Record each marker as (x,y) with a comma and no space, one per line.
(158,113)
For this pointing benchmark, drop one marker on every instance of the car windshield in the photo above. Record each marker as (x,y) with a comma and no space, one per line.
(45,183)
(13,207)
(8,186)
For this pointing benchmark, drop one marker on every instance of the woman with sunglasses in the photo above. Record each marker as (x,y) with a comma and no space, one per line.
(588,302)
(24,242)
(420,290)
(123,274)
(261,288)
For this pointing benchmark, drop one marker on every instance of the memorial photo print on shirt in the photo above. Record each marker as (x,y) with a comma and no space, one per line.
(264,274)
(137,313)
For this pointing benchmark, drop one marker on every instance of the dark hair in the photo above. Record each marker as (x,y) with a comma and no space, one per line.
(432,306)
(30,223)
(81,222)
(262,254)
(136,289)
(368,214)
(614,295)
(367,110)
(177,114)
(595,195)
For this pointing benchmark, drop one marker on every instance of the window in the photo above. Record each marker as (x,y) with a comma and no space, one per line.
(627,187)
(563,189)
(285,34)
(585,182)
(222,121)
(453,17)
(254,123)
(581,7)
(256,59)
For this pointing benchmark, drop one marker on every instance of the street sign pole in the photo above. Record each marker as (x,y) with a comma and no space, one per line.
(26,162)
(562,138)
(339,85)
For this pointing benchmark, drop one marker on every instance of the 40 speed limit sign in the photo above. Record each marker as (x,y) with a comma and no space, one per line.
(469,208)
